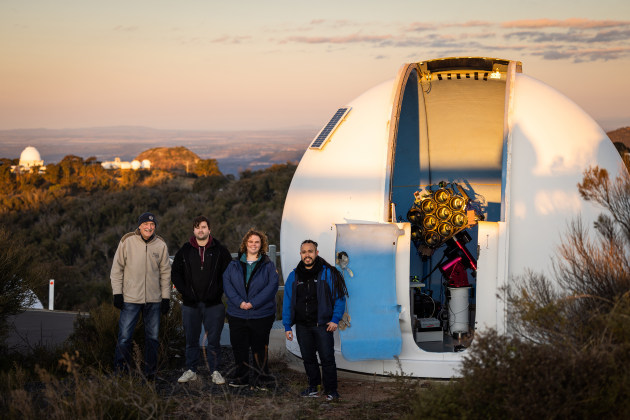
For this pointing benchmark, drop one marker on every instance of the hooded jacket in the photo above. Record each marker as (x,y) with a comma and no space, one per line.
(260,291)
(141,270)
(328,310)
(189,270)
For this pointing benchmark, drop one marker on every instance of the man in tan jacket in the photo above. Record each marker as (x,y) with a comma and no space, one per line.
(141,282)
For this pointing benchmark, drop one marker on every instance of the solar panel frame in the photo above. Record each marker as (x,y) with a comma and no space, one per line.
(325,133)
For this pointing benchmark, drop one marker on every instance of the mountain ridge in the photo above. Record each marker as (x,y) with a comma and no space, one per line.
(235,151)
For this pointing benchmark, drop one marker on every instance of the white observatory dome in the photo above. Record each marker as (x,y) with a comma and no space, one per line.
(440,187)
(30,157)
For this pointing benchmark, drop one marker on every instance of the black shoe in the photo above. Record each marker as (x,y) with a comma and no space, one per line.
(332,396)
(310,392)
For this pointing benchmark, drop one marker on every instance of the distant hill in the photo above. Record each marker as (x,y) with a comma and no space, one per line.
(620,135)
(170,158)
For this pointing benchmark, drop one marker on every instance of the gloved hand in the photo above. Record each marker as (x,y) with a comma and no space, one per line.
(166,305)
(119,301)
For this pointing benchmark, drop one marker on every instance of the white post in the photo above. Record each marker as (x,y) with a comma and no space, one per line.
(273,254)
(51,294)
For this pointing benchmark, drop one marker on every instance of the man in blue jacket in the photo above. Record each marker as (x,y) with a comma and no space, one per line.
(314,300)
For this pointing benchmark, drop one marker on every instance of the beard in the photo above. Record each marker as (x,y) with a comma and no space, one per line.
(309,262)
(202,237)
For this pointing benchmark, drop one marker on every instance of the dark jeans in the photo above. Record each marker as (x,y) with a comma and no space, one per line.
(128,319)
(213,318)
(317,339)
(254,334)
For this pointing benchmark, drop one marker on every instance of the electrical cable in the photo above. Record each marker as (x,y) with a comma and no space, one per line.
(434,268)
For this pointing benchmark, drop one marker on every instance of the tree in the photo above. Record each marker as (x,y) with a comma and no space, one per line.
(18,277)
(7,178)
(207,167)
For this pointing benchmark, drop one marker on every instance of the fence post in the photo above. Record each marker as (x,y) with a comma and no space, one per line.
(51,294)
(273,254)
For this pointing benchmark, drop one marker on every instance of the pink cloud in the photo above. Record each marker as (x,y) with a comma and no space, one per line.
(354,38)
(469,24)
(231,39)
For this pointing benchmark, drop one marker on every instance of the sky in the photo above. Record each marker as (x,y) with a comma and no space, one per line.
(261,65)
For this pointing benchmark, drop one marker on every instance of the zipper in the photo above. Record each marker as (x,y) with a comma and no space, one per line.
(146,258)
(308,297)
(212,275)
(186,262)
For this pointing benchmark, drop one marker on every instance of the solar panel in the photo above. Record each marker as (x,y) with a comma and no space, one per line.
(326,132)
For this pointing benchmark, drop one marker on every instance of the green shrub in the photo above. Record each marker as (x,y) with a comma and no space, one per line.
(95,336)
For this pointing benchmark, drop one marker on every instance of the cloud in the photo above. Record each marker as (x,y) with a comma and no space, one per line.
(552,39)
(469,24)
(566,23)
(340,23)
(421,26)
(427,26)
(580,55)
(610,36)
(539,36)
(572,36)
(344,39)
(122,28)
(227,39)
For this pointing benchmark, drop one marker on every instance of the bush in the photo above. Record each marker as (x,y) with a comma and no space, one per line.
(82,393)
(508,377)
(18,277)
(95,336)
(568,354)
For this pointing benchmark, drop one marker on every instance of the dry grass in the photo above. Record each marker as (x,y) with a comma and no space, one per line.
(87,392)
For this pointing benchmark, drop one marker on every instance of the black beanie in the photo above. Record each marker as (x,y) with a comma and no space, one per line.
(147,217)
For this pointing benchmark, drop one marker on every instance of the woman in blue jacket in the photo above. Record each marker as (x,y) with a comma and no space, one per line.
(250,283)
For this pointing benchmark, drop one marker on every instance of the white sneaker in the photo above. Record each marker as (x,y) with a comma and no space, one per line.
(189,375)
(217,378)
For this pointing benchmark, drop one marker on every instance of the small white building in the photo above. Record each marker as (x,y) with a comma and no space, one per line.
(118,164)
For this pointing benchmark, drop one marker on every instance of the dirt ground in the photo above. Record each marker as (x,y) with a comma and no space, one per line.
(362,396)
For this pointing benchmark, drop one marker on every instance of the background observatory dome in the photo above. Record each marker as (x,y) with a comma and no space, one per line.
(30,157)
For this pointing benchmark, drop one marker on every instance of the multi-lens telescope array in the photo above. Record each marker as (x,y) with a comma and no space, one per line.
(438,215)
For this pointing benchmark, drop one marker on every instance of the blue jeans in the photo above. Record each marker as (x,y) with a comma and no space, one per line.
(213,318)
(128,319)
(317,339)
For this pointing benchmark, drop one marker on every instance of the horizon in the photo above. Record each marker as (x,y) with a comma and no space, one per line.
(272,66)
(214,146)
(232,150)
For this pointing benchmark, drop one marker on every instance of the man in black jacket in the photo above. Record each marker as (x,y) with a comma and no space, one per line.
(197,273)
